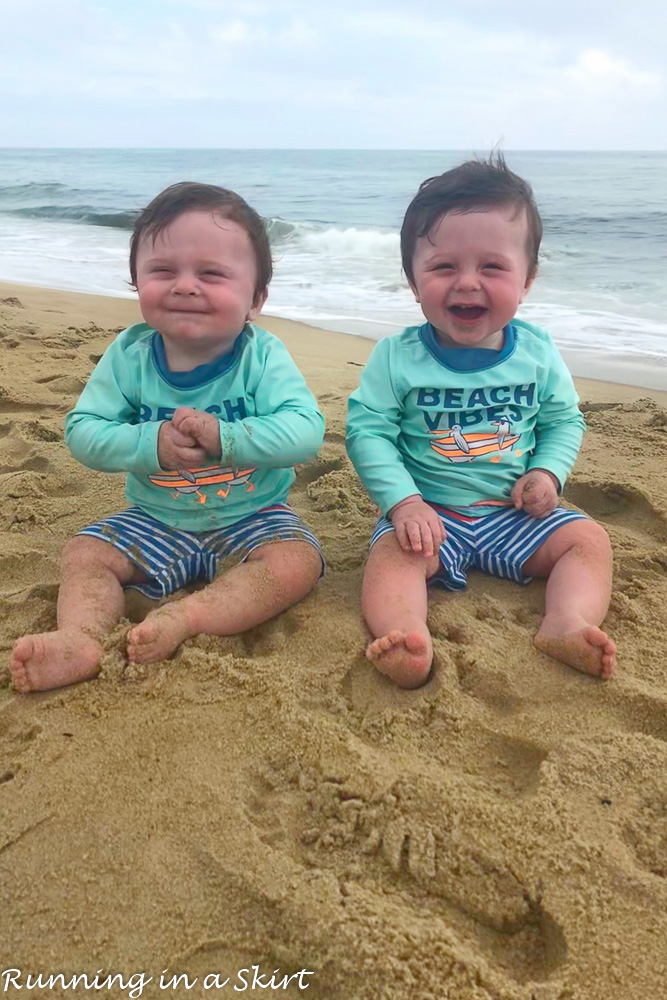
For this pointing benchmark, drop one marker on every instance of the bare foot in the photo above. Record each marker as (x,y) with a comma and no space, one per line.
(159,635)
(405,657)
(586,648)
(54,659)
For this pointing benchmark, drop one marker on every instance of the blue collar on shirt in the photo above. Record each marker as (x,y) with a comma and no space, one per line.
(200,375)
(467,359)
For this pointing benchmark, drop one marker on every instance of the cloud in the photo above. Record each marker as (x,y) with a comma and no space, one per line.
(598,72)
(349,74)
(294,34)
(233,31)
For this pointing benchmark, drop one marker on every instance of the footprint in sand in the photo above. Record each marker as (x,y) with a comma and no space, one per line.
(433,864)
(37,463)
(510,925)
(638,713)
(67,385)
(482,679)
(17,453)
(495,763)
(618,505)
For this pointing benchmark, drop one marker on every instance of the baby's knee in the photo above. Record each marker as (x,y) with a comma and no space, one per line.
(292,562)
(591,538)
(595,535)
(387,556)
(84,552)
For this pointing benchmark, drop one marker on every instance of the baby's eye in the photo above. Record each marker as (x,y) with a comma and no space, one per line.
(444,267)
(492,267)
(213,274)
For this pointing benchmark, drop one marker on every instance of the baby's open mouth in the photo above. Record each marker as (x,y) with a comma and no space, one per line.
(467,312)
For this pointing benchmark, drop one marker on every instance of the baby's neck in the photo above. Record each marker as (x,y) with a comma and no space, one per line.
(179,359)
(495,342)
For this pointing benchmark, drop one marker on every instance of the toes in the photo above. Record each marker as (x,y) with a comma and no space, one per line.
(415,643)
(24,649)
(20,680)
(384,643)
(373,649)
(142,635)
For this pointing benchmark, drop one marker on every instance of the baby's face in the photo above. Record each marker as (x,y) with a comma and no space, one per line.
(471,274)
(196,285)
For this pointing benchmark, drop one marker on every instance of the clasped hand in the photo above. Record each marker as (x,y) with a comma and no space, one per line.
(188,439)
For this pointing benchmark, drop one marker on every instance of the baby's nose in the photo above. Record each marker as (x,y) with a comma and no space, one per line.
(468,279)
(185,285)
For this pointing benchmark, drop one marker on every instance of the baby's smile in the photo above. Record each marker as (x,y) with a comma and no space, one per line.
(468,312)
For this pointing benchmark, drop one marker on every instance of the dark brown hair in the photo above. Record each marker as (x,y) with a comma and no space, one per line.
(189,196)
(474,186)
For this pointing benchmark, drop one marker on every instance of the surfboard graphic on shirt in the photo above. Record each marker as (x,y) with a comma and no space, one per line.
(459,447)
(190,481)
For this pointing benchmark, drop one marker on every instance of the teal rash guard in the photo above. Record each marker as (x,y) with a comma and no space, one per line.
(461,426)
(269,421)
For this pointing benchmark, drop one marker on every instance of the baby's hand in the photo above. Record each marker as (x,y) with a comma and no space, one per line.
(418,527)
(204,428)
(176,450)
(536,493)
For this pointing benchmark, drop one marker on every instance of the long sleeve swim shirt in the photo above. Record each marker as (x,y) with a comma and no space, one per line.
(268,418)
(461,426)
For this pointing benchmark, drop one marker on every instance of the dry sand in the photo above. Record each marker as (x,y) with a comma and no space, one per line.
(271,800)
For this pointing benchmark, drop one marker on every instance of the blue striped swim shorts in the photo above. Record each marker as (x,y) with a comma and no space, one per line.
(172,557)
(498,543)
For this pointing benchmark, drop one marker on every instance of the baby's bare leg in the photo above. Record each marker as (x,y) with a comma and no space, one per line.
(90,602)
(395,606)
(273,577)
(577,559)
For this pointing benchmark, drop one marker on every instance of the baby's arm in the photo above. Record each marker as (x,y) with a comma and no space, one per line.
(103,431)
(559,426)
(373,430)
(289,428)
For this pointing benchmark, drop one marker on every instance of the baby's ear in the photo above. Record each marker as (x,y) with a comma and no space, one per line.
(529,284)
(257,305)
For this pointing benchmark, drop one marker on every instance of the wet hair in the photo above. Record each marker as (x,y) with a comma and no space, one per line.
(474,186)
(189,196)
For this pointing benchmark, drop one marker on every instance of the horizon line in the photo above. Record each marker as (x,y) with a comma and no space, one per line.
(324,149)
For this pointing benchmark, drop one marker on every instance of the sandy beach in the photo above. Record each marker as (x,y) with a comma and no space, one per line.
(269,800)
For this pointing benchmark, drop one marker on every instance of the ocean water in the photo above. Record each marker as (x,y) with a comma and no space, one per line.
(334,219)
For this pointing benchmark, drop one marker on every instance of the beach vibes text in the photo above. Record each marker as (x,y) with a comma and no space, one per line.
(239,981)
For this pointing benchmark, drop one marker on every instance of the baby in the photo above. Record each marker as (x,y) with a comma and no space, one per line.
(465,429)
(207,414)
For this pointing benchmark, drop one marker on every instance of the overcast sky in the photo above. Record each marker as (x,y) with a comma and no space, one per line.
(415,74)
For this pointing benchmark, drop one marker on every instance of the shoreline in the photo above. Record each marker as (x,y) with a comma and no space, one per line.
(587,367)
